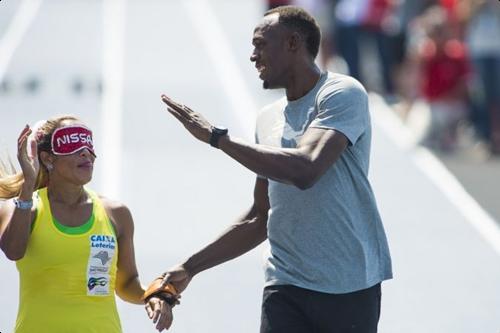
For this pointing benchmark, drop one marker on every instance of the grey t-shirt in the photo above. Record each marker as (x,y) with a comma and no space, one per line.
(330,237)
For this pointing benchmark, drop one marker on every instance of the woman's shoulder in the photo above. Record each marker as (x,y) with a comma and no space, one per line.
(117,211)
(111,204)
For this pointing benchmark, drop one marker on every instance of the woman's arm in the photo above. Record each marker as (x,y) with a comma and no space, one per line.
(15,223)
(128,286)
(15,228)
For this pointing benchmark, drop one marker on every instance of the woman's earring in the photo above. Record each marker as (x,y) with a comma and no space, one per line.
(49,167)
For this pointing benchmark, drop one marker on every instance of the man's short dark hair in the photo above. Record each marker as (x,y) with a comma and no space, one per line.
(297,18)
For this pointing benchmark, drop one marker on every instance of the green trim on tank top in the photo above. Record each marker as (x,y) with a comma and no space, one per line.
(79,230)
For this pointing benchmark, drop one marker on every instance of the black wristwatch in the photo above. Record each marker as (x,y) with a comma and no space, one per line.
(217,133)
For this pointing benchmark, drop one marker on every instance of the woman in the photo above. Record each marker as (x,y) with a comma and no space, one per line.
(73,248)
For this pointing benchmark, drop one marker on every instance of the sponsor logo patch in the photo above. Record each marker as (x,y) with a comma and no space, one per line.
(102,251)
(93,282)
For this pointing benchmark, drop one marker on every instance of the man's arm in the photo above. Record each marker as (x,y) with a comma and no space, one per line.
(248,232)
(244,235)
(317,150)
(302,166)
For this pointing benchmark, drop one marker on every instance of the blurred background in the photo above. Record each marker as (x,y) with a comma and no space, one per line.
(432,69)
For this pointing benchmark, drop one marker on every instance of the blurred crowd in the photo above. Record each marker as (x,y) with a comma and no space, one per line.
(444,53)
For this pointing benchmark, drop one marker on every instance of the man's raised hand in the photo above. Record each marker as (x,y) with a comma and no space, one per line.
(193,121)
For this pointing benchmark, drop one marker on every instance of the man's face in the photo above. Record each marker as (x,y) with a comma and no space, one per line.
(270,53)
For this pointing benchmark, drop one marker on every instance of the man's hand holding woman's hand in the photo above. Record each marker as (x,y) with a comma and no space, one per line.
(164,293)
(159,302)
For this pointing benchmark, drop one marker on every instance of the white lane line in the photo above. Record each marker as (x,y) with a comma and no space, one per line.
(111,104)
(222,57)
(20,24)
(477,217)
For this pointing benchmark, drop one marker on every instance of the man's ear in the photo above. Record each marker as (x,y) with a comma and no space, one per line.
(294,41)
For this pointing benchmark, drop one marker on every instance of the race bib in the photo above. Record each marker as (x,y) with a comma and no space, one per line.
(102,251)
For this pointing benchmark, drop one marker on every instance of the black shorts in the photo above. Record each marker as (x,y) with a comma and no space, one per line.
(290,309)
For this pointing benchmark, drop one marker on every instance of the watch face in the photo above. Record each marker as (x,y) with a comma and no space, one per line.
(217,133)
(220,130)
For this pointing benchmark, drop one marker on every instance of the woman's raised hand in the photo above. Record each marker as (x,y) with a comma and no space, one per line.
(28,161)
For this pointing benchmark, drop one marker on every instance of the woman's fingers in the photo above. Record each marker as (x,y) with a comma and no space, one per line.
(22,139)
(22,144)
(33,150)
(23,133)
(149,310)
(165,320)
(156,310)
(160,313)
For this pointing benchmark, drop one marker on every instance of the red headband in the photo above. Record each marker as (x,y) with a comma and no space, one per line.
(70,139)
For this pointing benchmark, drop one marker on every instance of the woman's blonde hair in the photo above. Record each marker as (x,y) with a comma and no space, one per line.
(10,181)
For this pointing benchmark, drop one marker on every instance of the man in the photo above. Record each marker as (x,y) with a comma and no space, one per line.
(312,199)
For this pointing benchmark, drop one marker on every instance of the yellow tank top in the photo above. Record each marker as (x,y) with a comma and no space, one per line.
(67,276)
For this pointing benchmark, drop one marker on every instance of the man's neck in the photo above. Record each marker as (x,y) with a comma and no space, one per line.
(302,81)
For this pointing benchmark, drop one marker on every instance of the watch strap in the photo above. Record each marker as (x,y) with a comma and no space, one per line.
(23,204)
(217,133)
